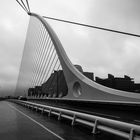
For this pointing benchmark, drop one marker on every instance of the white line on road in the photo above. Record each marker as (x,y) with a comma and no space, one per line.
(37,123)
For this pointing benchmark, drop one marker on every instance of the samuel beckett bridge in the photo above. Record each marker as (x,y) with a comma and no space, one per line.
(75,106)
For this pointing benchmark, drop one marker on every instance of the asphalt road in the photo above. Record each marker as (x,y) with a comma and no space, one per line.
(19,123)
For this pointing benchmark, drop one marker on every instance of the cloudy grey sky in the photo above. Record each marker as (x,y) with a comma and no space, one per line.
(98,51)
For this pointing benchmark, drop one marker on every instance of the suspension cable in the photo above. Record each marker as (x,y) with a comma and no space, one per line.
(28,5)
(22,6)
(91,26)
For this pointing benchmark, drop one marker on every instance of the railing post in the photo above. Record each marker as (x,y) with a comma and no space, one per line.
(42,110)
(49,113)
(132,133)
(32,107)
(36,108)
(73,121)
(94,131)
(59,116)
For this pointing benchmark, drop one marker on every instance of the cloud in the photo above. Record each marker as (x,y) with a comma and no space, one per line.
(12,37)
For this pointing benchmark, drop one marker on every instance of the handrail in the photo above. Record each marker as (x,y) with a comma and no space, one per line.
(123,129)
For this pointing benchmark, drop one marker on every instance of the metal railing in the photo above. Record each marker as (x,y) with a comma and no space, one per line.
(122,129)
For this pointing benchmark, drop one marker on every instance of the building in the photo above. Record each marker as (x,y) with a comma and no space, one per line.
(37,91)
(31,92)
(137,87)
(78,67)
(56,85)
(126,83)
(89,75)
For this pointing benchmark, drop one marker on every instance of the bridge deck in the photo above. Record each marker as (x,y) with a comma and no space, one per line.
(18,123)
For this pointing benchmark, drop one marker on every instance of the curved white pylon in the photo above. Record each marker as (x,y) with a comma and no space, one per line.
(79,86)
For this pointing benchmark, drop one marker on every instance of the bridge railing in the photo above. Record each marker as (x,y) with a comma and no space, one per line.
(122,129)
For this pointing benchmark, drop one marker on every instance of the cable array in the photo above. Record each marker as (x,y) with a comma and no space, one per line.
(24,5)
(40,61)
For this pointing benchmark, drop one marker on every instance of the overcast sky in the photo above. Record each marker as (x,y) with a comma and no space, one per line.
(97,51)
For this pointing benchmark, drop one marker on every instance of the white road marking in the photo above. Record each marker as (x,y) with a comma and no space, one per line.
(37,123)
